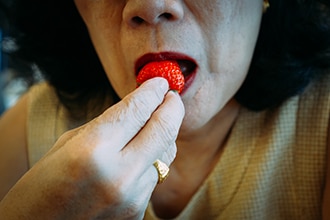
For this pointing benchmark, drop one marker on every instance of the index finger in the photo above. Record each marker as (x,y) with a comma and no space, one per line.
(121,122)
(157,139)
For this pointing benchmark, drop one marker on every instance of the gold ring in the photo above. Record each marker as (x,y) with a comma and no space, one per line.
(162,170)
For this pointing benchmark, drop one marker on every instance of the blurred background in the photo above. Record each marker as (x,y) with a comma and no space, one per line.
(11,88)
(3,61)
(11,85)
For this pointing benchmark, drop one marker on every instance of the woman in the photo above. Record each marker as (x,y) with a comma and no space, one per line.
(227,160)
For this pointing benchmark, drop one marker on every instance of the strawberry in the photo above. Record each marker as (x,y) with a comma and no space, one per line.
(169,70)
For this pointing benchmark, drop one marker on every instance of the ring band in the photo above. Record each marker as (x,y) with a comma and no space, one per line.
(162,170)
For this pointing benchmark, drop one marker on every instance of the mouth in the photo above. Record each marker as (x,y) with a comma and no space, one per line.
(187,65)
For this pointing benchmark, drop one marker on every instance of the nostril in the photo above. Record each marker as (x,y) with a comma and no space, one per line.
(151,12)
(168,16)
(137,20)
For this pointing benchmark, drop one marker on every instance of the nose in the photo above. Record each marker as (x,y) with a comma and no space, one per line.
(152,12)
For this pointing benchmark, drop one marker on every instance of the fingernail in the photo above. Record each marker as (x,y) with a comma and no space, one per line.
(175,91)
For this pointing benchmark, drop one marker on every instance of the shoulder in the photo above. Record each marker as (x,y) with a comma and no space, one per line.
(326,195)
(318,90)
(320,98)
(42,94)
(13,156)
(14,133)
(314,104)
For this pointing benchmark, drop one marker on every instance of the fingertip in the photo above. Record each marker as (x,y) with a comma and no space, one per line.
(175,94)
(163,83)
(177,99)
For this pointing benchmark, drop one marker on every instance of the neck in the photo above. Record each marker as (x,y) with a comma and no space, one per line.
(207,142)
(196,156)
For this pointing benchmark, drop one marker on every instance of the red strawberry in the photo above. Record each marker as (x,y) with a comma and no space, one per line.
(169,70)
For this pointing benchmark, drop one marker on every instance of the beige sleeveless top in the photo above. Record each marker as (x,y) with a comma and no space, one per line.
(273,165)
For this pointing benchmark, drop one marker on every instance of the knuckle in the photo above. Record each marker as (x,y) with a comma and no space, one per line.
(139,109)
(167,127)
(78,167)
(146,99)
(132,211)
(116,195)
(64,138)
(170,154)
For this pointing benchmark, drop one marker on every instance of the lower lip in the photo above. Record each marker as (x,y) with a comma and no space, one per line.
(188,81)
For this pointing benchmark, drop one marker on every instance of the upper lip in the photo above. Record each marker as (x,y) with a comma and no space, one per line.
(182,59)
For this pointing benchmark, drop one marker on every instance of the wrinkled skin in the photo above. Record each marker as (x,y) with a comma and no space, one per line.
(86,176)
(220,35)
(90,173)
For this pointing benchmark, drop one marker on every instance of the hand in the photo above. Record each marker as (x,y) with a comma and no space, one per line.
(104,168)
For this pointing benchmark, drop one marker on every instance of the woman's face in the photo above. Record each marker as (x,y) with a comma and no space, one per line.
(213,41)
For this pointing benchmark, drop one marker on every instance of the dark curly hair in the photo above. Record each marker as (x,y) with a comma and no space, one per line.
(292,49)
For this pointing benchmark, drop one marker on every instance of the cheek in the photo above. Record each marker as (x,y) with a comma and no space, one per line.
(103,20)
(210,98)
